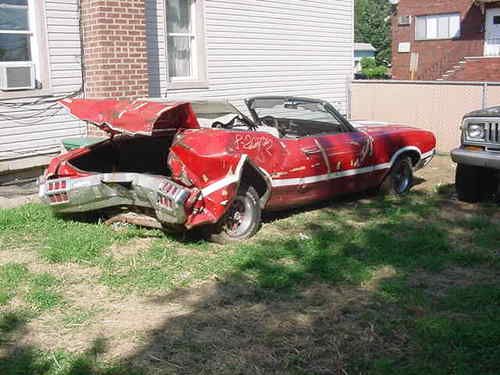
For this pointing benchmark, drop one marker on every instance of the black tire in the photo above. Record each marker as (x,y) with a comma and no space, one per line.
(489,185)
(400,178)
(474,184)
(242,220)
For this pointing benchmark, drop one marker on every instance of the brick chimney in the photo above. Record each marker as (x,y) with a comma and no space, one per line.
(115,53)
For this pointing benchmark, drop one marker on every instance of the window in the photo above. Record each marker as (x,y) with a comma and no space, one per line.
(22,35)
(438,26)
(185,43)
(15,35)
(496,20)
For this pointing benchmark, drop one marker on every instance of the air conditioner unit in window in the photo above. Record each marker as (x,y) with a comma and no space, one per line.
(17,76)
(404,20)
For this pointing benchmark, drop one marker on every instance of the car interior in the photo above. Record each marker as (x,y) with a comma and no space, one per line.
(295,118)
(279,118)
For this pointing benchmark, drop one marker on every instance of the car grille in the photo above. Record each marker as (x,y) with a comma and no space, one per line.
(493,132)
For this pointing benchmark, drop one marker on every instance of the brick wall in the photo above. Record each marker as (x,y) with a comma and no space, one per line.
(478,69)
(436,56)
(115,53)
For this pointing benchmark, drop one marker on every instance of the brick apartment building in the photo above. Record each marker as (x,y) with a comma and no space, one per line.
(453,40)
(174,49)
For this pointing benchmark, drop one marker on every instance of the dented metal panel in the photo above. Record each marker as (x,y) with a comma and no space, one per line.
(132,117)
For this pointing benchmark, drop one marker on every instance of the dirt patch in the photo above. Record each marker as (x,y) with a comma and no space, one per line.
(18,255)
(121,321)
(438,175)
(233,328)
(379,276)
(131,248)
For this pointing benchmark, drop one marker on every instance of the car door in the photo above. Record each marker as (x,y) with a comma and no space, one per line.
(348,157)
(302,175)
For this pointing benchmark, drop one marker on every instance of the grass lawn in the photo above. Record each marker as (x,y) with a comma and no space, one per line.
(361,285)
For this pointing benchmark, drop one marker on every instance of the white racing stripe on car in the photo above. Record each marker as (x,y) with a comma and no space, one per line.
(226,181)
(230,179)
(235,177)
(330,176)
(350,172)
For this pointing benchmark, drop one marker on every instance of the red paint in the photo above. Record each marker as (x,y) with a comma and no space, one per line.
(210,162)
(132,117)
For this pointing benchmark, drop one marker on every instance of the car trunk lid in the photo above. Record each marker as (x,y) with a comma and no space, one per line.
(138,117)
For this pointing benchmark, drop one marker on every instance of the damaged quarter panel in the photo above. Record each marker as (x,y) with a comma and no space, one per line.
(214,162)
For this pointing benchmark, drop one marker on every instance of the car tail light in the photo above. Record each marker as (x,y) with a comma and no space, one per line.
(165,202)
(57,191)
(170,195)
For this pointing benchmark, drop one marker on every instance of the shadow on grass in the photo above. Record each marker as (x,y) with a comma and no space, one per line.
(337,300)
(17,359)
(340,301)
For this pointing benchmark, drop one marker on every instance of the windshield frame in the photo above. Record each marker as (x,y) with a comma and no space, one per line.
(344,123)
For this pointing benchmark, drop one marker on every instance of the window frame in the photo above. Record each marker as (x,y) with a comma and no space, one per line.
(198,78)
(38,50)
(436,18)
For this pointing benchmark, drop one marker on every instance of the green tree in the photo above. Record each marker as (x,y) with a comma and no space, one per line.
(371,70)
(373,25)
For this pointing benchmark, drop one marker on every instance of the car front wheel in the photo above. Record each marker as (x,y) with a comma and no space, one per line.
(400,179)
(242,219)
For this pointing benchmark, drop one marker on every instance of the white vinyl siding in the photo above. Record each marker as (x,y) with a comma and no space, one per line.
(264,47)
(38,129)
(438,26)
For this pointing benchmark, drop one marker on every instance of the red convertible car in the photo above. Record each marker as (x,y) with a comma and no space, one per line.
(207,164)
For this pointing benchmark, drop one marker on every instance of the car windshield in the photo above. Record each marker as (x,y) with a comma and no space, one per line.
(295,117)
(293,109)
(211,112)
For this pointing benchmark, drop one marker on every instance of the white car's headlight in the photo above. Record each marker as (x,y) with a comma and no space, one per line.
(476,132)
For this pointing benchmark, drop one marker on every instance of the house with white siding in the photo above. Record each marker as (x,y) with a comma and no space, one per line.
(173,49)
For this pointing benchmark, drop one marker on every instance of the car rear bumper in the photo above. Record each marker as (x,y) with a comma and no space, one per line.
(485,159)
(85,194)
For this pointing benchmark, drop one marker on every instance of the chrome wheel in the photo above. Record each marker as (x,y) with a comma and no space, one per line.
(242,218)
(402,178)
(239,217)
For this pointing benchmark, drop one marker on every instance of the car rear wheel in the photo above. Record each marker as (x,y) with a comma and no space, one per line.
(400,179)
(474,184)
(242,219)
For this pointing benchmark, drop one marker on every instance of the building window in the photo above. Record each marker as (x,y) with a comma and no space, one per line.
(185,43)
(438,26)
(23,43)
(15,34)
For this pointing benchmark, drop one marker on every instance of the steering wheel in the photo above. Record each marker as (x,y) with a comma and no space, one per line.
(221,125)
(230,124)
(273,122)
